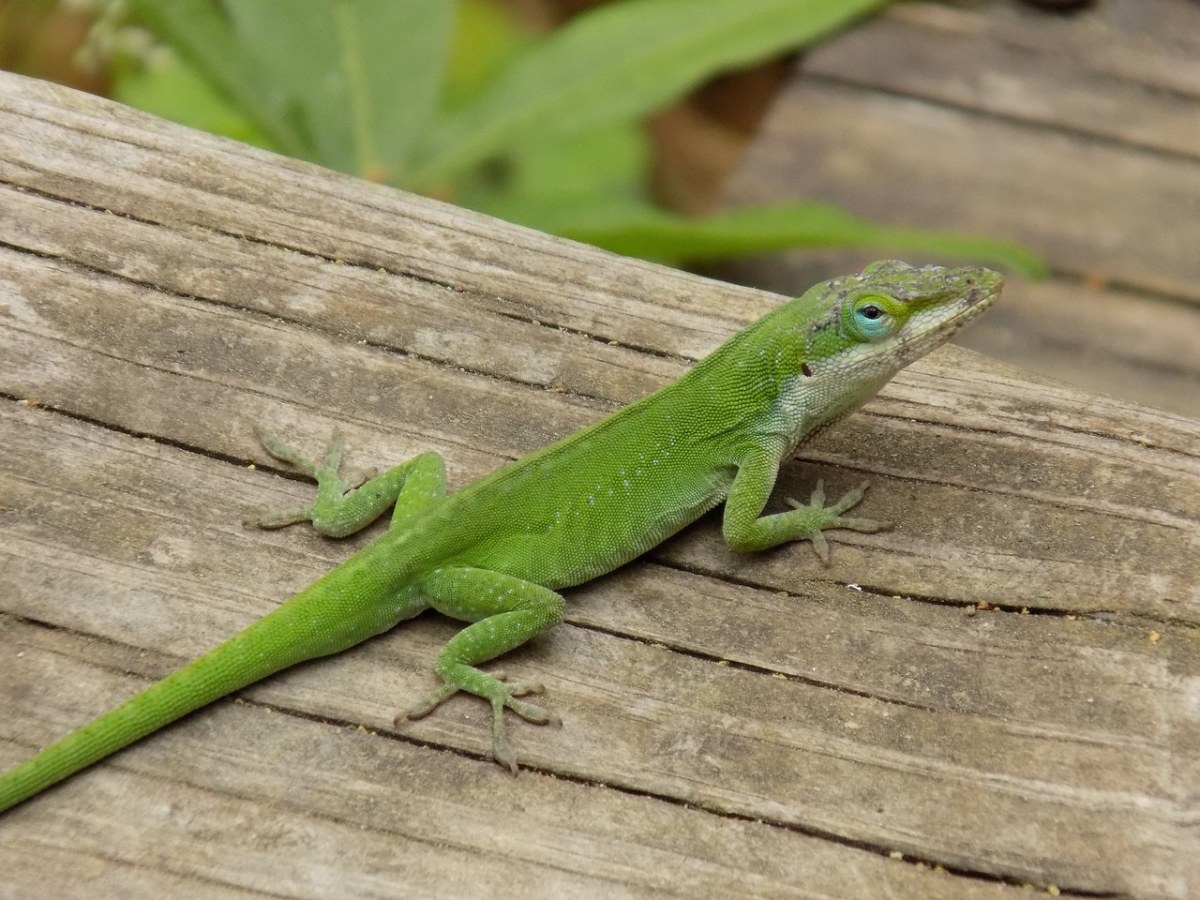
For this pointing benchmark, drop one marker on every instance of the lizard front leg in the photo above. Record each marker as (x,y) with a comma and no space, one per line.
(745,528)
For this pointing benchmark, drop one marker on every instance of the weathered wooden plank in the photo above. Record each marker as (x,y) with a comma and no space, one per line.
(350,299)
(1052,748)
(999,119)
(127,612)
(871,152)
(132,163)
(147,377)
(1102,338)
(169,572)
(999,58)
(375,817)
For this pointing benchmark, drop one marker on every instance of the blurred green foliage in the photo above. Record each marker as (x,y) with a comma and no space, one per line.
(457,100)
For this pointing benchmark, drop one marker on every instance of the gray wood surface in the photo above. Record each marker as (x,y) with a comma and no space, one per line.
(1000,693)
(1076,135)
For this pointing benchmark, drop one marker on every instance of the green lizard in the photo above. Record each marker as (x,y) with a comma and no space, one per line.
(497,552)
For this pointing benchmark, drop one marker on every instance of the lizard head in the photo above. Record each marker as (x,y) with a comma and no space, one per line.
(813,360)
(844,339)
(868,326)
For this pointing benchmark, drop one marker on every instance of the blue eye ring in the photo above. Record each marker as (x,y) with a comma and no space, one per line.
(873,318)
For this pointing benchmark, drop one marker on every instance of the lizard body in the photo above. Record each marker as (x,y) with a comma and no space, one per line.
(496,553)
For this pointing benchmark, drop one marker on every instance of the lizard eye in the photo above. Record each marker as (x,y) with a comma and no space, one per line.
(873,318)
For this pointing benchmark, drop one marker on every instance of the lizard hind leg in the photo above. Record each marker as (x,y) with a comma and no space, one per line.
(505,612)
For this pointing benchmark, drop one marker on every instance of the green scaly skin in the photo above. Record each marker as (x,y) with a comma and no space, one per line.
(496,553)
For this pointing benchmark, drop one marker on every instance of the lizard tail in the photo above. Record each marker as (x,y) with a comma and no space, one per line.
(320,620)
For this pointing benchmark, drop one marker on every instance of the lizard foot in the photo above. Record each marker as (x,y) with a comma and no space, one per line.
(332,487)
(502,698)
(823,517)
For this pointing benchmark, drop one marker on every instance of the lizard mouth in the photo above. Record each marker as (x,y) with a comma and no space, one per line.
(970,307)
(984,293)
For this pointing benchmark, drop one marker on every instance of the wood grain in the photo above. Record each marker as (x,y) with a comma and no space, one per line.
(998,692)
(1078,136)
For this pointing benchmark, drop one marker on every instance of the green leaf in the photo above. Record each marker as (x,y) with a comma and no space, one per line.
(487,37)
(203,37)
(347,83)
(561,172)
(166,86)
(638,229)
(624,60)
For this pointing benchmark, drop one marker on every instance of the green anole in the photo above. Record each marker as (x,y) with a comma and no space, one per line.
(497,552)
